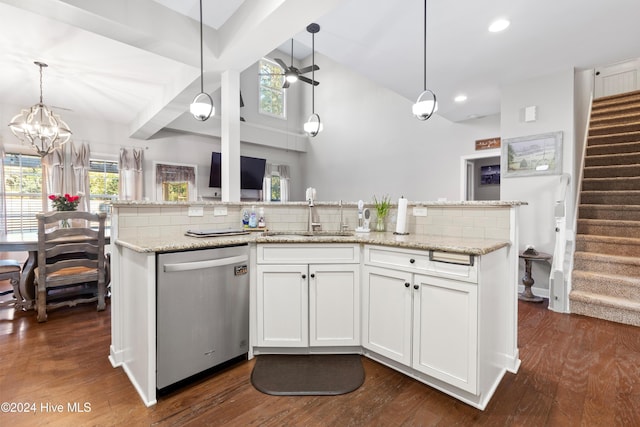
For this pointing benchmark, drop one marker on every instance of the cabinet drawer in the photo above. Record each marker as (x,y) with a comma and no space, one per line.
(308,254)
(435,263)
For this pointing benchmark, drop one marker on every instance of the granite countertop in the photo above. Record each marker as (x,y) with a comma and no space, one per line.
(445,203)
(471,246)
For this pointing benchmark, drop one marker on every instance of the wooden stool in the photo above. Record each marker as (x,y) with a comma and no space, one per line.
(10,270)
(527,280)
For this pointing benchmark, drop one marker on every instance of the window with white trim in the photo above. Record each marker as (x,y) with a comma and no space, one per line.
(271,94)
(104,181)
(23,191)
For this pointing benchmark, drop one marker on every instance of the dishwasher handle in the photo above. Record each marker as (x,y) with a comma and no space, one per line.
(198,265)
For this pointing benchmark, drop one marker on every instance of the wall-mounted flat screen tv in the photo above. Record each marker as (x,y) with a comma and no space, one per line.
(251,172)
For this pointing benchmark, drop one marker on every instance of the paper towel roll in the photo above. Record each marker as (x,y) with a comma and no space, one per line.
(401,223)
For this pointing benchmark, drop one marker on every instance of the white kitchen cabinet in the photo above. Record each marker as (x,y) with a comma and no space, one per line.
(438,317)
(282,306)
(387,320)
(445,330)
(308,304)
(427,323)
(334,305)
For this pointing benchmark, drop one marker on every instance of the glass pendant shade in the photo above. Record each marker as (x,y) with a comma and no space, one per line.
(313,126)
(202,107)
(40,127)
(424,108)
(291,77)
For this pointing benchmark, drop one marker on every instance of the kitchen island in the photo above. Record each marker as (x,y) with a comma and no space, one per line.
(466,285)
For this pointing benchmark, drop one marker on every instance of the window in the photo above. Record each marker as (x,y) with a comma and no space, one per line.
(23,189)
(23,192)
(275,187)
(271,94)
(103,184)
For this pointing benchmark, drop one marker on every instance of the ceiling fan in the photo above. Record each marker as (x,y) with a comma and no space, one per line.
(293,74)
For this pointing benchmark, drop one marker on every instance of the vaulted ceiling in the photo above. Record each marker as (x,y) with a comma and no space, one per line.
(137,62)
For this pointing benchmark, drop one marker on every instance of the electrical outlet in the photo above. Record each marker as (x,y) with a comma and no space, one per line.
(419,211)
(220,211)
(196,211)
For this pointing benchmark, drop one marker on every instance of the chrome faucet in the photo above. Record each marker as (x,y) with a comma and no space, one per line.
(314,222)
(343,225)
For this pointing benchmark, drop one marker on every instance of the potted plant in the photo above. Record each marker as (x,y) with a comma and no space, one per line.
(382,210)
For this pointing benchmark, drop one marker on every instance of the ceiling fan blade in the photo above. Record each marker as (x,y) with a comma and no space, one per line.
(306,80)
(282,64)
(308,69)
(286,84)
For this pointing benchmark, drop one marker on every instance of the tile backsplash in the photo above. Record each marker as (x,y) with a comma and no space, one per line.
(153,220)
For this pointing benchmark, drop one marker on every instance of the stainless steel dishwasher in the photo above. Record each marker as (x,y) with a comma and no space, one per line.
(202,311)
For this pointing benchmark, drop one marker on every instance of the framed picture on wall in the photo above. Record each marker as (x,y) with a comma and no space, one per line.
(490,175)
(532,155)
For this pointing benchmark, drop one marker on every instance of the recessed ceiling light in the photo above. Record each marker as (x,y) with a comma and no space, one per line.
(460,98)
(499,25)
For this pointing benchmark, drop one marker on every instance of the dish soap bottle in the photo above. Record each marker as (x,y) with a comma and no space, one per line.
(245,218)
(261,223)
(253,220)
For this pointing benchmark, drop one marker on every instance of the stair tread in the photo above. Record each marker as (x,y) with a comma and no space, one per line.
(611,239)
(608,207)
(629,280)
(602,156)
(629,165)
(597,256)
(610,222)
(607,300)
(610,117)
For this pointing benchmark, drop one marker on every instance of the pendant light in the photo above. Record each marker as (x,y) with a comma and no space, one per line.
(426,104)
(313,126)
(202,105)
(40,127)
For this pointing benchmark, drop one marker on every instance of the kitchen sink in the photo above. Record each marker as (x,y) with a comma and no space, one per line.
(305,234)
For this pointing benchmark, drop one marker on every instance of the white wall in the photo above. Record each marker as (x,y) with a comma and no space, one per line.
(553,96)
(372,144)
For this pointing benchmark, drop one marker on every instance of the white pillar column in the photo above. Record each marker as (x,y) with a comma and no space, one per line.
(230,117)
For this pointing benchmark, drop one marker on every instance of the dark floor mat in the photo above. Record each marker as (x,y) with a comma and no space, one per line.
(296,375)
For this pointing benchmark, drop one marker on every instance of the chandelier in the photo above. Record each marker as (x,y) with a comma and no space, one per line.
(40,127)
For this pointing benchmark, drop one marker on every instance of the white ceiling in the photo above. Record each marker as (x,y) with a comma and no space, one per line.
(137,63)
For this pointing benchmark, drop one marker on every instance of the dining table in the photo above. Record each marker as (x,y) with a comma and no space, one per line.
(26,242)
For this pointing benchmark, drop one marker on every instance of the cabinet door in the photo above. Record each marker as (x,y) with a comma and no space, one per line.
(334,305)
(282,306)
(387,323)
(445,330)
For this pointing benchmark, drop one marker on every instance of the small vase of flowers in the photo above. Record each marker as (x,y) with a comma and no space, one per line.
(64,203)
(382,210)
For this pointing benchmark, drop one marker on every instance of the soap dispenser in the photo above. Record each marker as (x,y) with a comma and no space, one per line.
(253,220)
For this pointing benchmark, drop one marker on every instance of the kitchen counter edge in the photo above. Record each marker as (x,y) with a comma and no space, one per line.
(470,246)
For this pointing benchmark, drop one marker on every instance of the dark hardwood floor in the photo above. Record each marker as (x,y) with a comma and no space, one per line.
(576,371)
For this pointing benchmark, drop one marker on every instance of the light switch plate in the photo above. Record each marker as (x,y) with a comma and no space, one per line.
(419,211)
(196,211)
(220,211)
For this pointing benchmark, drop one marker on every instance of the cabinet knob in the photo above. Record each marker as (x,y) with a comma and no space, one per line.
(412,261)
(312,275)
(304,276)
(416,287)
(407,284)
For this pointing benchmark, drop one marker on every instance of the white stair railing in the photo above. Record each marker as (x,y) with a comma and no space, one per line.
(557,291)
(560,275)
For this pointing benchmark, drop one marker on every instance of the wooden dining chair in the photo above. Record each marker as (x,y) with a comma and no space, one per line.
(10,270)
(71,260)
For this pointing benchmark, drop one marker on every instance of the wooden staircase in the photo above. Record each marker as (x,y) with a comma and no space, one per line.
(606,273)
